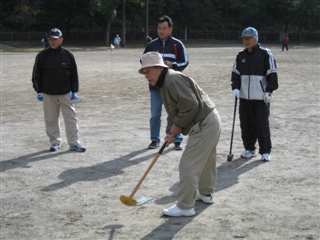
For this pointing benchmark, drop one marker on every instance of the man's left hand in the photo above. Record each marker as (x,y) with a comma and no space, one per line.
(74,97)
(267,97)
(171,136)
(175,130)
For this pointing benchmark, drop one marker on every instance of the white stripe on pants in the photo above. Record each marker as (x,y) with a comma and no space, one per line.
(51,106)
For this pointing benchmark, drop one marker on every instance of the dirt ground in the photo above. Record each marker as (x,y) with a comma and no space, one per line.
(76,196)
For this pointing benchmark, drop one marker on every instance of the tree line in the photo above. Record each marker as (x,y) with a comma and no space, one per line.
(131,15)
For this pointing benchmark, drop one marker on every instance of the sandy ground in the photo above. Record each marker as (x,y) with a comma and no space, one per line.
(76,196)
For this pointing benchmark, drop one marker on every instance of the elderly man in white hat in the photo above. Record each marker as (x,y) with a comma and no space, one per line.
(190,112)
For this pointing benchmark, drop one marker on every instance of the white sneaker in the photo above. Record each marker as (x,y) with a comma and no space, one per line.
(208,199)
(247,154)
(175,211)
(266,157)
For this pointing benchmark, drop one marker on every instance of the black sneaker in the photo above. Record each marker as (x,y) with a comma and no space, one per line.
(77,148)
(177,147)
(154,145)
(54,147)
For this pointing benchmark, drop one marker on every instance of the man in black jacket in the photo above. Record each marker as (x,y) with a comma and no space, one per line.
(55,79)
(254,78)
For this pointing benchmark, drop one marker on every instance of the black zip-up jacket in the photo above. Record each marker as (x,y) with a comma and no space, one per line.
(254,73)
(55,72)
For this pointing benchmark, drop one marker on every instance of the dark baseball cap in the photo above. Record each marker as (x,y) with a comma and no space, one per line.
(55,33)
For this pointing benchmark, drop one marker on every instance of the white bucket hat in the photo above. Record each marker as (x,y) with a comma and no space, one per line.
(151,59)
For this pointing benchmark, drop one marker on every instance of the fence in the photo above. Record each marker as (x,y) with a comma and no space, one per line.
(95,37)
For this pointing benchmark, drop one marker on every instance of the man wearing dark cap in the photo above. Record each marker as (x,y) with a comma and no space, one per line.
(55,79)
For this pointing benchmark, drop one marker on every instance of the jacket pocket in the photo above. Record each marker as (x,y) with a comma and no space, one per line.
(244,90)
(256,90)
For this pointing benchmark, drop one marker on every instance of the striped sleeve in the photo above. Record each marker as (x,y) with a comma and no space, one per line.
(271,72)
(272,65)
(235,76)
(182,57)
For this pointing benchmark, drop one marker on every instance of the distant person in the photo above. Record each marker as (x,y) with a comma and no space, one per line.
(285,42)
(55,79)
(175,56)
(191,112)
(117,41)
(44,41)
(254,78)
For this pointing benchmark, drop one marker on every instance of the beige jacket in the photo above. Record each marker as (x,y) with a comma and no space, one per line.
(186,103)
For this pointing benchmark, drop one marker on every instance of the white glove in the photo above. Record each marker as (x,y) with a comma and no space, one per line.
(267,97)
(236,93)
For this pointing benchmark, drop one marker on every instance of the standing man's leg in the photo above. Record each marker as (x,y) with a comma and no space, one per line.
(208,176)
(199,154)
(71,123)
(51,109)
(155,120)
(247,124)
(263,129)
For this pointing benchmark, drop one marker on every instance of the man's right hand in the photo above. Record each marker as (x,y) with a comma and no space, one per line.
(170,138)
(40,97)
(236,93)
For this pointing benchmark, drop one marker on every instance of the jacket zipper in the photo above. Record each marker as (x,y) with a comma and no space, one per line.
(249,87)
(249,62)
(163,46)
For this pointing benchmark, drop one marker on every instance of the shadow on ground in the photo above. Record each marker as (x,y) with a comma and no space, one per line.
(99,171)
(112,229)
(228,175)
(23,161)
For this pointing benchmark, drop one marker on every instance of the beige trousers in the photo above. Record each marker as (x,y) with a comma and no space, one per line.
(51,106)
(198,162)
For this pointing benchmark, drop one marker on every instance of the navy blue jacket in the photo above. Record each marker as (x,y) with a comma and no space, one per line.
(172,50)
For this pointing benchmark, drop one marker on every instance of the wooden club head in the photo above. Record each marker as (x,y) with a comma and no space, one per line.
(129,201)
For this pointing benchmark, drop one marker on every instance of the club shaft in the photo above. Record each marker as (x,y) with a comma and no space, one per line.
(148,170)
(233,123)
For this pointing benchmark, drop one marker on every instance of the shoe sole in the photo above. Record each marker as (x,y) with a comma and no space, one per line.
(184,215)
(205,202)
(79,151)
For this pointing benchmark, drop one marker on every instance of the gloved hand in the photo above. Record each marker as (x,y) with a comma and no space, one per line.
(236,93)
(40,97)
(267,97)
(74,97)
